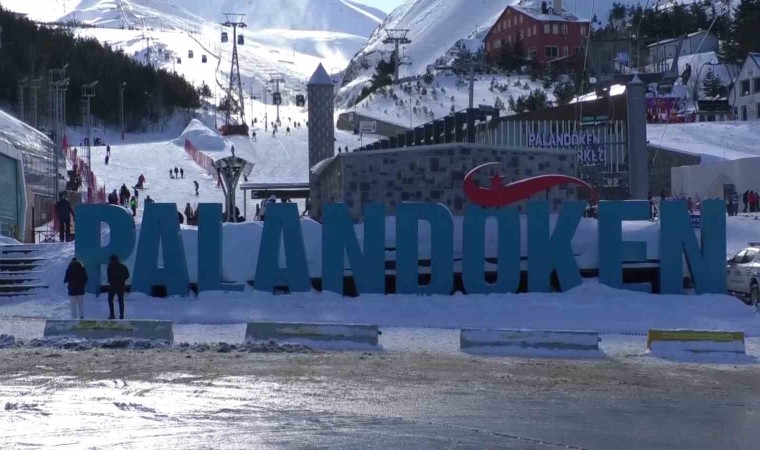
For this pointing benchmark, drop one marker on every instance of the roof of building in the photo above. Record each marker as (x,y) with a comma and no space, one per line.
(667,41)
(532,8)
(320,77)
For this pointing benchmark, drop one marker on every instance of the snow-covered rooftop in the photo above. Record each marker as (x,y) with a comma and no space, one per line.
(667,41)
(532,8)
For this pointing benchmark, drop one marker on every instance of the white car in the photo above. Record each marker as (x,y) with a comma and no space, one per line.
(743,274)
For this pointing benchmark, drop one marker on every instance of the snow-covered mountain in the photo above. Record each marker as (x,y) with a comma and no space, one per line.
(434,27)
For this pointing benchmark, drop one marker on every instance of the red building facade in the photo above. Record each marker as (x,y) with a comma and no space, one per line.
(535,31)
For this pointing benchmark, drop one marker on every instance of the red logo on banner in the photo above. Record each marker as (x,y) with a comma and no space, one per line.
(499,195)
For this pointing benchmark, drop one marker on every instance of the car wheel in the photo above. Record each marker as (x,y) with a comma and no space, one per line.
(754,295)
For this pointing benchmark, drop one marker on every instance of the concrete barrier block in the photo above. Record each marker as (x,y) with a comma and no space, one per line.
(316,335)
(527,341)
(155,330)
(695,341)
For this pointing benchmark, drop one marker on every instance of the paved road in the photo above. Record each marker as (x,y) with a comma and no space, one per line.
(186,399)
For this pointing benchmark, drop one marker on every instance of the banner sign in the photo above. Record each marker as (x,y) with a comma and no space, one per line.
(591,152)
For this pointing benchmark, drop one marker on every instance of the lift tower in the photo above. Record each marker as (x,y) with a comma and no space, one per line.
(233,125)
(397,37)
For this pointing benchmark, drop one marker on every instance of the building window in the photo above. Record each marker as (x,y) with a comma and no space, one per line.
(744,112)
(555,29)
(552,51)
(756,85)
(583,31)
(534,30)
(498,27)
(522,36)
(521,19)
(744,88)
(532,53)
(576,50)
(564,51)
(497,44)
(527,33)
(509,37)
(547,28)
(509,23)
(564,29)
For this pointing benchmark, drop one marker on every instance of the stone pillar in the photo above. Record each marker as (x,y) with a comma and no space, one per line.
(460,121)
(438,131)
(638,160)
(410,138)
(449,122)
(471,125)
(429,134)
(320,90)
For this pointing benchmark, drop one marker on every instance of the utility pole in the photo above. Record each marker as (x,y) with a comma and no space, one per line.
(266,115)
(236,83)
(122,86)
(397,37)
(277,96)
(22,84)
(34,87)
(88,92)
(59,84)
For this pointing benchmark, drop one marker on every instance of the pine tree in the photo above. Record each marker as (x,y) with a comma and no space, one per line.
(711,85)
(498,104)
(743,36)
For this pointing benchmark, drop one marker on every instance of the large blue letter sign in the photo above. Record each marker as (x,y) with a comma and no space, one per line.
(408,216)
(612,250)
(339,240)
(282,226)
(160,229)
(88,249)
(209,247)
(473,248)
(677,238)
(548,252)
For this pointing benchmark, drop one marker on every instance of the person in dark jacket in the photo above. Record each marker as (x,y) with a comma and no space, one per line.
(745,199)
(76,278)
(65,212)
(118,274)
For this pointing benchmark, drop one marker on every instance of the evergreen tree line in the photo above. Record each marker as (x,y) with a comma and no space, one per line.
(30,51)
(736,28)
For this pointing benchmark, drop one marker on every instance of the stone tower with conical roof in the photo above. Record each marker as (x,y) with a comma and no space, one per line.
(320,90)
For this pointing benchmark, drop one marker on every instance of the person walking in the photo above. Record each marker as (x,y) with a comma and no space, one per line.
(133,206)
(253,136)
(107,159)
(751,199)
(176,172)
(171,174)
(76,278)
(182,173)
(287,131)
(108,151)
(189,214)
(136,194)
(745,199)
(113,198)
(118,274)
(65,212)
(149,200)
(233,151)
(195,183)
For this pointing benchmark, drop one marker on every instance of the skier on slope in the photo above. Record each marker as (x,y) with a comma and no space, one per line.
(195,183)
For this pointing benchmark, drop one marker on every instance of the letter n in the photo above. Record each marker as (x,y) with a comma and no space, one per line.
(339,241)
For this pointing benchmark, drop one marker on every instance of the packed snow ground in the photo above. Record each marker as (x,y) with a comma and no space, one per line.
(712,140)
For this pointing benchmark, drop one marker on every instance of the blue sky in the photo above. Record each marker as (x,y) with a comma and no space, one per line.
(383,5)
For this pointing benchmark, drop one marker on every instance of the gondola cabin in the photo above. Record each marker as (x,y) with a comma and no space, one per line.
(225,37)
(241,40)
(190,54)
(204,59)
(277,98)
(179,60)
(300,100)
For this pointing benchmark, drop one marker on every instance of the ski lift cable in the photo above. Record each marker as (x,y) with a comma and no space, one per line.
(585,62)
(667,123)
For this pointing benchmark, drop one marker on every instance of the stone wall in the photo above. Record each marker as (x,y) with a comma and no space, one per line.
(436,173)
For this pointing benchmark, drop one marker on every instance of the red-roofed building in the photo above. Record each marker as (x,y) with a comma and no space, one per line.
(539,30)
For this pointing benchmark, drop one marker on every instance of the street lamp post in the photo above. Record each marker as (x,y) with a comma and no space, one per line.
(88,92)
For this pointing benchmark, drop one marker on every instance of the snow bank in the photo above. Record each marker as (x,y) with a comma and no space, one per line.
(202,137)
